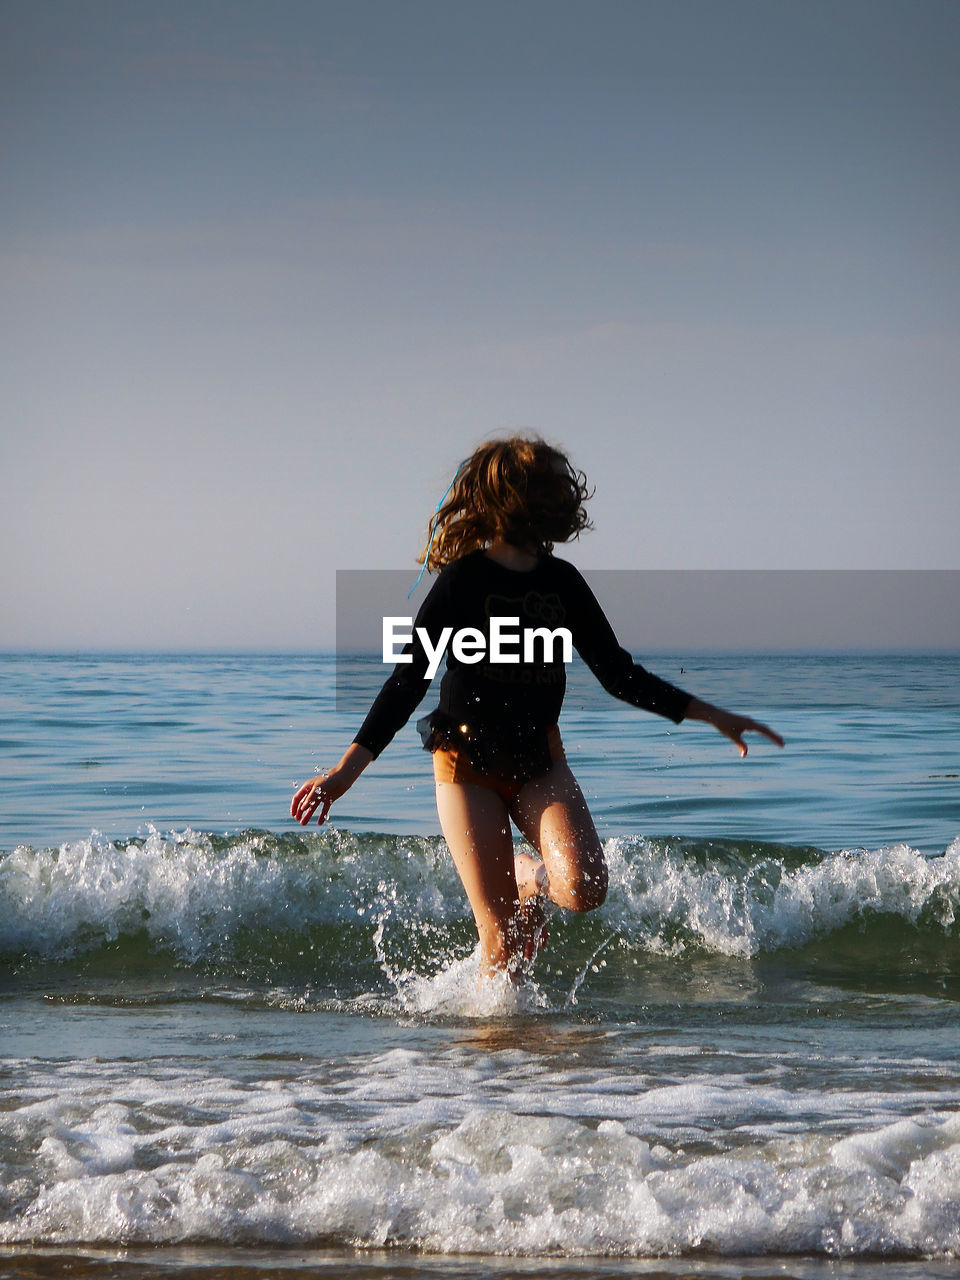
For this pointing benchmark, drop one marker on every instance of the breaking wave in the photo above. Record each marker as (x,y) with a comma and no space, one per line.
(347,912)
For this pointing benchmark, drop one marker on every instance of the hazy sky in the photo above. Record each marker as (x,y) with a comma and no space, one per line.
(269,270)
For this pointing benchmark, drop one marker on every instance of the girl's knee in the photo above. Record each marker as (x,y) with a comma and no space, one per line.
(583,889)
(592,889)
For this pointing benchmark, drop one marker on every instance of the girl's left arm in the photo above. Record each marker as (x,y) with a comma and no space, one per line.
(732,726)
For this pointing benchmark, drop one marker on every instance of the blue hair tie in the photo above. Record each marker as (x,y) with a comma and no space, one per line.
(433,526)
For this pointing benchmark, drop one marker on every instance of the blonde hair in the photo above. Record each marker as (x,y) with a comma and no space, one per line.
(520,489)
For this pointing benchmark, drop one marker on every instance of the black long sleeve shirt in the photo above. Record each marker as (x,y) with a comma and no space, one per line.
(526,696)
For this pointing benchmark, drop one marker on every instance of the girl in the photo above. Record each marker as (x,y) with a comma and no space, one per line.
(497,753)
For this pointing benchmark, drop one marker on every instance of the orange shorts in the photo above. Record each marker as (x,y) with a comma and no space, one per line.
(450,764)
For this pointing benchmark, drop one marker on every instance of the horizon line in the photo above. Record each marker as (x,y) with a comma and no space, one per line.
(255,651)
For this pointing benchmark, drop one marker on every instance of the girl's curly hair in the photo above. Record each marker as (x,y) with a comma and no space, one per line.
(520,489)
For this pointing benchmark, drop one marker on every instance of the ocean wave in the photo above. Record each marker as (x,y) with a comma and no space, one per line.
(158,1159)
(267,903)
(747,899)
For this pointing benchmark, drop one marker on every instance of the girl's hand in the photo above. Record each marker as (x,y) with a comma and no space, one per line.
(313,795)
(734,727)
(321,791)
(730,725)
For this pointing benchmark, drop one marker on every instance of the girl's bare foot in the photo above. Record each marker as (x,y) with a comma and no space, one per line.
(534,929)
(532,886)
(531,876)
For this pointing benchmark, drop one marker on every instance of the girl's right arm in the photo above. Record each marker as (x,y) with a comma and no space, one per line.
(321,791)
(402,692)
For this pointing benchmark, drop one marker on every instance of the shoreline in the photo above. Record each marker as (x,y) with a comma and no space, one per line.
(294,1262)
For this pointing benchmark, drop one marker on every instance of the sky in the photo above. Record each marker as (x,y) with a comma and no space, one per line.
(270,270)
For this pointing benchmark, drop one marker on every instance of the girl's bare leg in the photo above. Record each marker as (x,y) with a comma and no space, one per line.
(553,815)
(476,827)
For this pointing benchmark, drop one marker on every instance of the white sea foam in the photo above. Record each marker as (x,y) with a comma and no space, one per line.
(378,1161)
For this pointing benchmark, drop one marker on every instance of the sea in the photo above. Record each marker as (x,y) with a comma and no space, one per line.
(234,1047)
